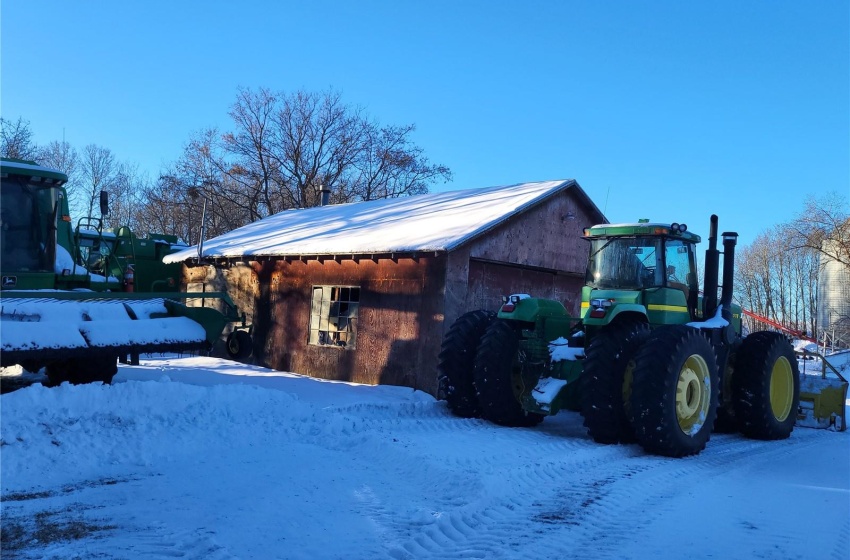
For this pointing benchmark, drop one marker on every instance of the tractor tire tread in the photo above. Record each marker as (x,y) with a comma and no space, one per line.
(653,409)
(751,386)
(607,357)
(456,361)
(494,381)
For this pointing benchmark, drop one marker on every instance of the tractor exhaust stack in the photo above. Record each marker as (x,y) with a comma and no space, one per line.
(730,239)
(712,265)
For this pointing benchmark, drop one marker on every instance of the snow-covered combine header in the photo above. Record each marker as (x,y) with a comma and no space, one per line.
(76,299)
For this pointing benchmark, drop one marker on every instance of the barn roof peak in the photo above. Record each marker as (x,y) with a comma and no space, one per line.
(439,221)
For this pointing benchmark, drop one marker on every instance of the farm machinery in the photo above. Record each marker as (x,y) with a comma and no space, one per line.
(76,299)
(650,360)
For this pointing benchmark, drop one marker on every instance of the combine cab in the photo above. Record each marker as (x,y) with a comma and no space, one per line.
(75,300)
(650,360)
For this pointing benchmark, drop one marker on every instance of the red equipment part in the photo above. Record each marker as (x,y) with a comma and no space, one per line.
(781,327)
(129,279)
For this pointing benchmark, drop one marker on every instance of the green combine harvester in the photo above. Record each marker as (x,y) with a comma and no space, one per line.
(75,298)
(650,360)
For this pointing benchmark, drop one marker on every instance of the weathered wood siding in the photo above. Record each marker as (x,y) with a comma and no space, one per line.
(539,252)
(239,281)
(488,282)
(547,235)
(399,325)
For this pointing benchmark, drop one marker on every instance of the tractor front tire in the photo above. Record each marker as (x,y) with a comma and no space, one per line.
(674,392)
(606,383)
(498,379)
(456,361)
(239,345)
(766,386)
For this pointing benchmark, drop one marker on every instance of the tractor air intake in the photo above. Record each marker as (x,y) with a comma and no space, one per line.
(730,239)
(712,265)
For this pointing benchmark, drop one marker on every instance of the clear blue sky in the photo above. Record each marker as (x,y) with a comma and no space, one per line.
(662,110)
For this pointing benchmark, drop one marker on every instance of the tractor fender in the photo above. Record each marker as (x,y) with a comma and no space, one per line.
(613,312)
(530,309)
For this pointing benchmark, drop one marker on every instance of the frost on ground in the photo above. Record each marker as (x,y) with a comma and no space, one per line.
(206,458)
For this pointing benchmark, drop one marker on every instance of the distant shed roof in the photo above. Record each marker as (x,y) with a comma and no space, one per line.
(424,223)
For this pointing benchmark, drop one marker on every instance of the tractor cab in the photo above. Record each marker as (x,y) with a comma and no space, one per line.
(31,202)
(641,268)
(95,247)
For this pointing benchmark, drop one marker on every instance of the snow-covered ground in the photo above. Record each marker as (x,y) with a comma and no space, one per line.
(206,458)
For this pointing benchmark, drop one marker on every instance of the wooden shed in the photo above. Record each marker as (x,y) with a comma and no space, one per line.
(364,292)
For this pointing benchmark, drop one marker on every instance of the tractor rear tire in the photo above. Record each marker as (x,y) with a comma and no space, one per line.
(239,345)
(498,380)
(766,386)
(674,392)
(79,371)
(727,422)
(456,362)
(606,383)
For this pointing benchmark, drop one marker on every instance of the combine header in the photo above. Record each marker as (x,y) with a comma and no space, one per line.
(650,360)
(75,300)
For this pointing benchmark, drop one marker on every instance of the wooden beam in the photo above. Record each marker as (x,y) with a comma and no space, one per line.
(529,267)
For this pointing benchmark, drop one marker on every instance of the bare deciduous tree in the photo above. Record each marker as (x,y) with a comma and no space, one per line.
(284,149)
(16,139)
(203,176)
(166,209)
(781,275)
(824,226)
(777,281)
(126,194)
(63,156)
(391,166)
(253,171)
(315,141)
(98,171)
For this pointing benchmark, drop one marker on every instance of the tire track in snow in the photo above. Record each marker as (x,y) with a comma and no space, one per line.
(622,480)
(471,489)
(162,542)
(842,545)
(493,525)
(626,508)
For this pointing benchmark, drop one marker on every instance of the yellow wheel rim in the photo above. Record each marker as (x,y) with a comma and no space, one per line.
(781,389)
(693,394)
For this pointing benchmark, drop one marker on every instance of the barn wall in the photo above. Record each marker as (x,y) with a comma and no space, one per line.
(399,327)
(547,235)
(488,282)
(239,281)
(457,286)
(539,252)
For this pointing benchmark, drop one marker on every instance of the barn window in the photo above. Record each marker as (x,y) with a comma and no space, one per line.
(333,316)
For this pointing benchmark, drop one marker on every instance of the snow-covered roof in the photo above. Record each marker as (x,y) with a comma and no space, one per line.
(430,222)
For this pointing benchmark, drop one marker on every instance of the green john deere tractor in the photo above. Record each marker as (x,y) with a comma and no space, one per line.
(75,300)
(650,360)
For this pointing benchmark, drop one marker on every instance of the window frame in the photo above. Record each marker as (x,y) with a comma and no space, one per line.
(334,311)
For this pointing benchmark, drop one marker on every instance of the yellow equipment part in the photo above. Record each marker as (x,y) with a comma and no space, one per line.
(823,396)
